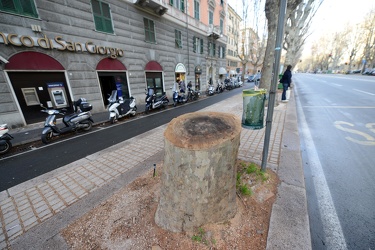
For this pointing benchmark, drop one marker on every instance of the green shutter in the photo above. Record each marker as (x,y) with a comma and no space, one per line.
(102,16)
(171,2)
(201,46)
(22,7)
(182,8)
(194,45)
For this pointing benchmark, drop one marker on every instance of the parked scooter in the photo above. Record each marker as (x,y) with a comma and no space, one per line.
(192,94)
(228,84)
(5,144)
(178,97)
(118,107)
(210,90)
(80,119)
(219,87)
(153,101)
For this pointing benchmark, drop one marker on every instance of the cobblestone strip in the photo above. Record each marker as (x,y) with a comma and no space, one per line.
(27,209)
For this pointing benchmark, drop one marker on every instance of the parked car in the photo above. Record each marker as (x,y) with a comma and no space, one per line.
(250,78)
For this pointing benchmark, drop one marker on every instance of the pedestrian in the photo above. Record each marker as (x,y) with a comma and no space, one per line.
(257,80)
(182,86)
(286,79)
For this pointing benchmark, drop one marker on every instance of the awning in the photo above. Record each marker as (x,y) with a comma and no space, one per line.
(222,71)
(180,68)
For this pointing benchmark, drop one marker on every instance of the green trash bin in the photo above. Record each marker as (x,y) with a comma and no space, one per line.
(280,85)
(253,108)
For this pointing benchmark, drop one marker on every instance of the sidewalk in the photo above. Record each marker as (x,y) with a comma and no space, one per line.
(33,213)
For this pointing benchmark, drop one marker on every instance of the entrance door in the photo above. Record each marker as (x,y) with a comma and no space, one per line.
(110,81)
(32,88)
(154,80)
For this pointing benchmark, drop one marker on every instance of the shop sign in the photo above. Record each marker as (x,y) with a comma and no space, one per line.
(60,44)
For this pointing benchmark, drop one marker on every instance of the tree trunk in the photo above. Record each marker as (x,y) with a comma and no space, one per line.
(198,184)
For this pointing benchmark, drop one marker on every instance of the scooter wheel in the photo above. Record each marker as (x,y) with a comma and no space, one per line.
(89,123)
(112,120)
(8,146)
(47,138)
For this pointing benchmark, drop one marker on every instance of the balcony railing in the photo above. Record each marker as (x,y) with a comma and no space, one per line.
(214,31)
(156,5)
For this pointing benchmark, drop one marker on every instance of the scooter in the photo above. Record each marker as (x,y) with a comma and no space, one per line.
(210,90)
(219,87)
(5,144)
(179,97)
(192,94)
(153,101)
(80,119)
(228,84)
(119,108)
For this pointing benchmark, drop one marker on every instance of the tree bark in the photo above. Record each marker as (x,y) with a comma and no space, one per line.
(198,183)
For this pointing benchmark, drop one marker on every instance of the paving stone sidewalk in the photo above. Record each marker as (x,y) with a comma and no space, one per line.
(34,202)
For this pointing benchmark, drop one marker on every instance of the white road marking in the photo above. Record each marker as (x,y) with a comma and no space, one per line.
(364,92)
(331,224)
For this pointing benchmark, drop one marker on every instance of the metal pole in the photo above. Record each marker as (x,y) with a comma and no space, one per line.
(272,96)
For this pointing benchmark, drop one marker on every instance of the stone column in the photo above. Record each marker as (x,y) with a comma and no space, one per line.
(198,183)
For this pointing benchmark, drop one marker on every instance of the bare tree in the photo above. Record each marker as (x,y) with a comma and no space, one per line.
(272,10)
(297,29)
(259,41)
(354,44)
(243,49)
(369,40)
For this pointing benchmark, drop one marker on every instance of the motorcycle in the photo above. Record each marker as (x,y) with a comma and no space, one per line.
(5,144)
(119,108)
(80,119)
(153,101)
(192,94)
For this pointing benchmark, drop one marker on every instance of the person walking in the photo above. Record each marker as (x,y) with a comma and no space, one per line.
(257,80)
(286,79)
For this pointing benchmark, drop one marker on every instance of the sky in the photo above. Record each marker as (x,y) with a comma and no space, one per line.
(332,16)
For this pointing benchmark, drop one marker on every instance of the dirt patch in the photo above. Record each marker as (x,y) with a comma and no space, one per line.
(126,220)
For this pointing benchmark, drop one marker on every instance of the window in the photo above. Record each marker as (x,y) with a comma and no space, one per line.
(211,49)
(22,7)
(210,17)
(179,4)
(178,38)
(221,26)
(221,52)
(196,9)
(149,30)
(197,45)
(102,16)
(31,97)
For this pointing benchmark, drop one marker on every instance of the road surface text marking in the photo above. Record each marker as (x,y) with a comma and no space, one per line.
(369,140)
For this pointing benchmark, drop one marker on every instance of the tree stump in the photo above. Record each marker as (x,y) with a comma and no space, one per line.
(198,183)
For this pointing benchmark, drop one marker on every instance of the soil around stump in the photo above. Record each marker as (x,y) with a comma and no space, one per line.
(201,130)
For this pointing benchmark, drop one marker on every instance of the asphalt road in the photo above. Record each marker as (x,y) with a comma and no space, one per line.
(22,167)
(336,116)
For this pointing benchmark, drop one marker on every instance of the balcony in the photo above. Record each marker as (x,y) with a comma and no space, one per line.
(154,5)
(214,32)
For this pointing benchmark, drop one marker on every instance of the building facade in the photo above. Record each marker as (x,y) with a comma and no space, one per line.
(233,34)
(55,52)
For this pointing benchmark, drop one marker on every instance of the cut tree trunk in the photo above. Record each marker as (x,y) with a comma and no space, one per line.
(198,183)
